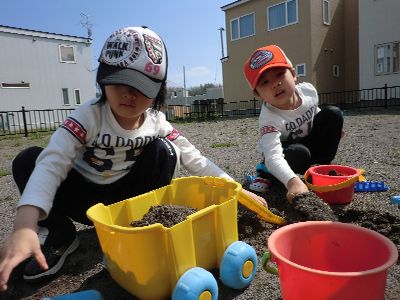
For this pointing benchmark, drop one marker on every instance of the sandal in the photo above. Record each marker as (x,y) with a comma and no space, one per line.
(260,185)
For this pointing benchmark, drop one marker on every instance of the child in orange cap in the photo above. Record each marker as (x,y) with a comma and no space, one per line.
(294,132)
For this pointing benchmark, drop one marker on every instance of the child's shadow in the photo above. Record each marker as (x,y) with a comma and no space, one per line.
(108,288)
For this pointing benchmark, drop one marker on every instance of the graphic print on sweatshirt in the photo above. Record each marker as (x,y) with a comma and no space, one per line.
(109,152)
(301,126)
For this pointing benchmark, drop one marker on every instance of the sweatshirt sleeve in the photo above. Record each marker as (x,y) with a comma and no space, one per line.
(54,163)
(271,147)
(194,162)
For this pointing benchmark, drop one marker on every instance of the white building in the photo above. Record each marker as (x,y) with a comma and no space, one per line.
(379,43)
(42,70)
(181,96)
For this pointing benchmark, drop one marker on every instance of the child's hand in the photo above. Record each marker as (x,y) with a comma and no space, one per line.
(295,186)
(259,199)
(22,244)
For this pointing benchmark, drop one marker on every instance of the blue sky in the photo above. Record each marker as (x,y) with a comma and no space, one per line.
(189,28)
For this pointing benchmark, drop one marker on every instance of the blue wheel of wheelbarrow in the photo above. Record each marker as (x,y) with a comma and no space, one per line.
(238,265)
(196,283)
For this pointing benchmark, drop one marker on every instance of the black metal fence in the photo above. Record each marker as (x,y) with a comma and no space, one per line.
(212,108)
(376,97)
(29,121)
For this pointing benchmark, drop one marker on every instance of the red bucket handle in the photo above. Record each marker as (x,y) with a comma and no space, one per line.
(333,187)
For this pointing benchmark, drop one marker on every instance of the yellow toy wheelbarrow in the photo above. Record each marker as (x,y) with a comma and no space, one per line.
(155,262)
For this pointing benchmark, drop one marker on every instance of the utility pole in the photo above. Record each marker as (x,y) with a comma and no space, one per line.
(222,41)
(184,85)
(85,23)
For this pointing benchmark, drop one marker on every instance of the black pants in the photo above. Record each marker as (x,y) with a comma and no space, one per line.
(154,168)
(320,145)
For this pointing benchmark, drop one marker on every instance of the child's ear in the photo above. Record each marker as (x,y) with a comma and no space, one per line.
(293,70)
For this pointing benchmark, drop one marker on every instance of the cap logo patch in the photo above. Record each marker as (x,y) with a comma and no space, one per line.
(154,48)
(122,48)
(260,58)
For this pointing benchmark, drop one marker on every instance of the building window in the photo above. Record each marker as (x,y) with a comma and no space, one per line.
(301,70)
(15,85)
(77,96)
(387,58)
(65,96)
(326,15)
(395,57)
(282,14)
(242,27)
(335,71)
(67,53)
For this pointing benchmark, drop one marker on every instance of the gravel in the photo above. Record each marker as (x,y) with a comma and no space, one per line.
(371,142)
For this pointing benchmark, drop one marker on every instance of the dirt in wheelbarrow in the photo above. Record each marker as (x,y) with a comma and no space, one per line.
(371,142)
(167,215)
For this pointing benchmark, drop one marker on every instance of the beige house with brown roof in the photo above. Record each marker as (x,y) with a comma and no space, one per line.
(319,36)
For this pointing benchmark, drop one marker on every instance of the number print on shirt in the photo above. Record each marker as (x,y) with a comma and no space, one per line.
(109,152)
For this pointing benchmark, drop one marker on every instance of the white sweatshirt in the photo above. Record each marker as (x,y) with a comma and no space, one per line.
(92,142)
(277,126)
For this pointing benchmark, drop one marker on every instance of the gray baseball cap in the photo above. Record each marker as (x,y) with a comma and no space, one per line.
(134,56)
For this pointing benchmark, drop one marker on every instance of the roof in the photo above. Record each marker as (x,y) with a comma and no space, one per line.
(233,4)
(44,34)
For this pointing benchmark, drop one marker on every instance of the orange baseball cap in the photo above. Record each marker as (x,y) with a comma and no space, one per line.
(262,59)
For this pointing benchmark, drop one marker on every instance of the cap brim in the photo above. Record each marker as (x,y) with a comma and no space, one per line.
(267,67)
(115,75)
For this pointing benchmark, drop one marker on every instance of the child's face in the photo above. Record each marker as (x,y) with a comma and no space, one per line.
(276,86)
(127,104)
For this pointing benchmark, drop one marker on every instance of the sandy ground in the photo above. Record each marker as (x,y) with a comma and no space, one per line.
(371,142)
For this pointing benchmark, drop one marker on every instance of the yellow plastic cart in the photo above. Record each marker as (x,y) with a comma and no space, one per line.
(155,262)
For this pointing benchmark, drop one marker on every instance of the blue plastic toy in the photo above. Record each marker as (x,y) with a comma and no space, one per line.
(395,199)
(193,284)
(83,295)
(370,186)
(237,264)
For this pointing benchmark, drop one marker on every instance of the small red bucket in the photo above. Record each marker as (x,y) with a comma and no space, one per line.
(333,183)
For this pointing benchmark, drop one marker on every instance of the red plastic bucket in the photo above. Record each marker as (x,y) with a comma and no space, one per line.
(333,189)
(320,260)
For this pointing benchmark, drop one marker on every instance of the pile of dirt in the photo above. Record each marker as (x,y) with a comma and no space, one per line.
(166,215)
(310,208)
